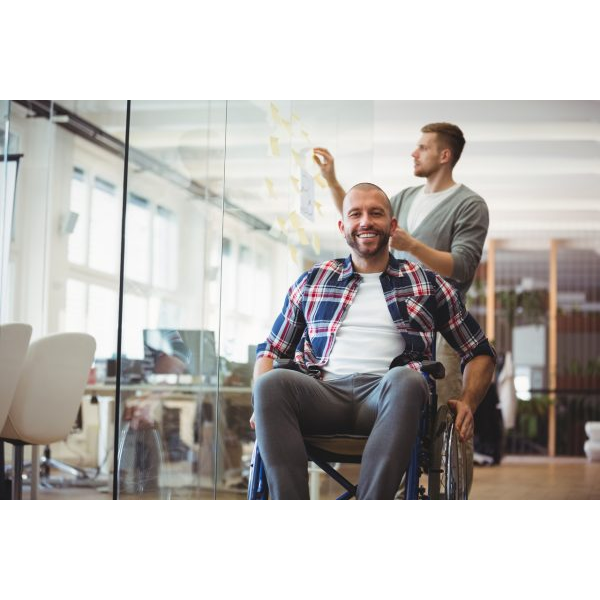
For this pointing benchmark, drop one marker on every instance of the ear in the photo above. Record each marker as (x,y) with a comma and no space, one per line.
(393,225)
(445,155)
(341,228)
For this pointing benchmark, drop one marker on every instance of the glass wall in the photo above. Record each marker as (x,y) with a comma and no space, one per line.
(224,209)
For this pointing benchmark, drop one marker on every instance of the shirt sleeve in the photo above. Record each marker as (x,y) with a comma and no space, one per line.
(288,327)
(458,326)
(471,227)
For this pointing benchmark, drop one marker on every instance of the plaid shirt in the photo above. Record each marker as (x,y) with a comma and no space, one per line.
(420,303)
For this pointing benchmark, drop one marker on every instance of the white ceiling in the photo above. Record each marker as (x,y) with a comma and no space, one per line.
(537,163)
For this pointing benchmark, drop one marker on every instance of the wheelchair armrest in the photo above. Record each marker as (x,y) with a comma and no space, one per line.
(434,369)
(285,363)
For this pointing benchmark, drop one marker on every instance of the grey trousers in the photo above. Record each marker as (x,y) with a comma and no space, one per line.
(288,405)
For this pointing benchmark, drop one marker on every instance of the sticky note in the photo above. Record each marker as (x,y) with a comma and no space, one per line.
(316,243)
(281,223)
(305,134)
(274,146)
(320,181)
(287,126)
(275,113)
(307,195)
(318,206)
(293,253)
(295,183)
(294,220)
(302,237)
(270,187)
(295,117)
(297,158)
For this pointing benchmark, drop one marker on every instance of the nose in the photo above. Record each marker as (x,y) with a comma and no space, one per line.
(415,153)
(365,220)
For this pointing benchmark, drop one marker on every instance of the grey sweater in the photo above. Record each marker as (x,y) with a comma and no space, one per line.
(458,225)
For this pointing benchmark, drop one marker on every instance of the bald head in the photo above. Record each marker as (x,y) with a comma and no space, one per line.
(368,187)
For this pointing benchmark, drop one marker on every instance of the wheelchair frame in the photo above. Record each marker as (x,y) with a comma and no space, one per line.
(437,452)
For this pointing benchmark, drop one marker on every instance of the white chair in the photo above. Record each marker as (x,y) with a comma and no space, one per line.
(48,394)
(14,341)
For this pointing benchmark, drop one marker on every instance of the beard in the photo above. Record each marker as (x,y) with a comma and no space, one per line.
(383,242)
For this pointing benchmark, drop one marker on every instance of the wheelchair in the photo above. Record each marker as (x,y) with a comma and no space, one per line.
(438,457)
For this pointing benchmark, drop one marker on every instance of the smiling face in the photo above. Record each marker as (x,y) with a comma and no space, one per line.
(428,156)
(367,222)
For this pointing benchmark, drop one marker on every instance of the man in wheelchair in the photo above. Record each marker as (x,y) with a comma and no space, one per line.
(344,322)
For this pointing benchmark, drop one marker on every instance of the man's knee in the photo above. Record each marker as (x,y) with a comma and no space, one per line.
(271,388)
(406,383)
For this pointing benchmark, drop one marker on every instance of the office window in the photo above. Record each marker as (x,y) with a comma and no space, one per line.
(137,234)
(229,283)
(76,306)
(135,319)
(102,319)
(105,218)
(78,239)
(245,304)
(165,249)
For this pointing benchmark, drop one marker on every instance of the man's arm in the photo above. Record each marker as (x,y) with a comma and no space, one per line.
(477,378)
(324,159)
(261,366)
(469,233)
(437,260)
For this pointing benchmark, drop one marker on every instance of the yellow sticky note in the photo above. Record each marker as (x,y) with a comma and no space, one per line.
(294,220)
(302,237)
(320,181)
(293,253)
(295,117)
(270,187)
(287,126)
(297,158)
(274,146)
(318,206)
(305,134)
(275,113)
(316,243)
(281,223)
(295,183)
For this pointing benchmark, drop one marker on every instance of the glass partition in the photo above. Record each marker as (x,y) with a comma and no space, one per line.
(279,221)
(171,304)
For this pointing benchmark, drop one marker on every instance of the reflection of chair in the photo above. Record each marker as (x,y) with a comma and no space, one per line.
(14,340)
(48,394)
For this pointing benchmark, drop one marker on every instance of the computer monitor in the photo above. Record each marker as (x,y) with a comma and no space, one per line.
(193,352)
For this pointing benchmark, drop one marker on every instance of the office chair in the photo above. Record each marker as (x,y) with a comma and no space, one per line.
(14,341)
(48,395)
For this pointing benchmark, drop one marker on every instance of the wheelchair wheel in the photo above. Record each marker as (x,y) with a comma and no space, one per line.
(448,467)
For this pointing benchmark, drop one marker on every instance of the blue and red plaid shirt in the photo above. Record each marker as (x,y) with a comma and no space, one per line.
(420,303)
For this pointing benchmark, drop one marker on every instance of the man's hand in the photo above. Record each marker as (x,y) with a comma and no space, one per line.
(324,159)
(464,422)
(402,240)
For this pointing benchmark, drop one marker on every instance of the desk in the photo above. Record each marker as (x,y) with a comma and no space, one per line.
(163,394)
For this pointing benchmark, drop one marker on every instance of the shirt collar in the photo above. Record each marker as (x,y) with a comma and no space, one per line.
(393,268)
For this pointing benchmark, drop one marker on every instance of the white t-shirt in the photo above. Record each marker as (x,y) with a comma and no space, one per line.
(423,204)
(367,340)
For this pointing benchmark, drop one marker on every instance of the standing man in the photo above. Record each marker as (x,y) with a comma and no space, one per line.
(344,321)
(442,224)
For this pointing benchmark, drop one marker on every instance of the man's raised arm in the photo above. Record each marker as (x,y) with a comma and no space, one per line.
(324,159)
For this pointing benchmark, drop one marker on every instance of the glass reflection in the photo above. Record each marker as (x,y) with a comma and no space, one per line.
(171,310)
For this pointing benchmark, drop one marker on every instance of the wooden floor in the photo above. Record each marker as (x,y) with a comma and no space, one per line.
(532,478)
(517,478)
